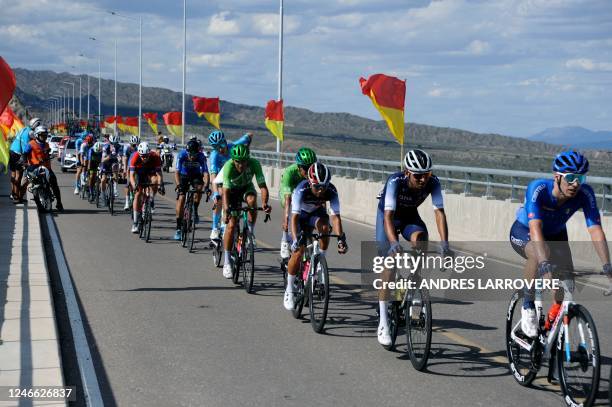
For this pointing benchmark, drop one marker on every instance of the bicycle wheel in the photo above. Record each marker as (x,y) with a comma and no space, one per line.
(418,327)
(185,226)
(235,266)
(149,221)
(248,263)
(579,360)
(97,193)
(393,316)
(111,197)
(193,228)
(318,295)
(298,292)
(217,252)
(519,359)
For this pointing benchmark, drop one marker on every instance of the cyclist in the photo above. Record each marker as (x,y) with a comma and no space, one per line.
(549,204)
(83,160)
(238,187)
(291,177)
(191,169)
(78,144)
(94,158)
(145,166)
(397,213)
(218,157)
(22,139)
(126,155)
(308,212)
(110,162)
(38,153)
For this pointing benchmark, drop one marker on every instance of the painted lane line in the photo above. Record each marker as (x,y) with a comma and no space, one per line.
(91,387)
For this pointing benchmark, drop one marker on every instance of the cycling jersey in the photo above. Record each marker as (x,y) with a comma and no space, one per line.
(234,179)
(303,200)
(397,196)
(127,150)
(22,139)
(93,156)
(218,160)
(541,204)
(38,153)
(109,151)
(152,165)
(289,180)
(185,166)
(84,150)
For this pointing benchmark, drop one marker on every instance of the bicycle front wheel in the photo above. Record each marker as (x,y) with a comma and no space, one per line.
(193,229)
(217,252)
(519,359)
(248,264)
(393,316)
(318,295)
(418,327)
(111,197)
(579,359)
(148,221)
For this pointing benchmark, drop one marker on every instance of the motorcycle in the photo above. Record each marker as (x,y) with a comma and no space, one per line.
(40,187)
(167,158)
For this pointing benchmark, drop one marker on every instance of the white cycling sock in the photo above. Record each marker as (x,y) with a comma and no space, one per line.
(290,282)
(136,216)
(382,305)
(226,257)
(285,237)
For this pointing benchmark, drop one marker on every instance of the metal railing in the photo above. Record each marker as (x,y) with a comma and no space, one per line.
(472,181)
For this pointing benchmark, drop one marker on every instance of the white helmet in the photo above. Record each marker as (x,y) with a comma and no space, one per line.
(35,122)
(114,139)
(143,148)
(417,161)
(134,140)
(40,130)
(98,147)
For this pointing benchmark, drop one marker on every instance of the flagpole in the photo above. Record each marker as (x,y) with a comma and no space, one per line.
(115,132)
(184,67)
(280,71)
(99,91)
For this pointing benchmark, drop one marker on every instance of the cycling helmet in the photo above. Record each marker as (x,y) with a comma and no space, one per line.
(35,122)
(318,174)
(114,139)
(305,156)
(240,152)
(571,162)
(193,147)
(166,139)
(41,133)
(134,140)
(143,148)
(216,137)
(89,139)
(417,161)
(97,148)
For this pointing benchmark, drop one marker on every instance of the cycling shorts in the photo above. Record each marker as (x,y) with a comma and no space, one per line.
(186,180)
(406,226)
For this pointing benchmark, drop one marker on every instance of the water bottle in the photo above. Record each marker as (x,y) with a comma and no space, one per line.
(306,270)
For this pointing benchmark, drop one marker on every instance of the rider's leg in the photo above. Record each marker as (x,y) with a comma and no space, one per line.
(292,269)
(228,238)
(180,202)
(55,189)
(251,201)
(197,197)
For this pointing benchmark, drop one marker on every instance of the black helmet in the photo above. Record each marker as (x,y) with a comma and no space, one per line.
(193,147)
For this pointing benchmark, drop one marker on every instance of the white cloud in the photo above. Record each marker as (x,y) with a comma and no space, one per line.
(478,47)
(440,92)
(221,25)
(215,60)
(267,24)
(586,64)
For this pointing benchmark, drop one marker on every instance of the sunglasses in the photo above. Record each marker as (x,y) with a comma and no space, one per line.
(571,178)
(319,187)
(421,176)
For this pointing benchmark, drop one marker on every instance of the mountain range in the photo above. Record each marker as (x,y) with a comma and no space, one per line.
(575,136)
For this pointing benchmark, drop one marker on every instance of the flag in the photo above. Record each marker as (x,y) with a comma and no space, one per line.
(17,125)
(7,84)
(174,123)
(7,119)
(131,124)
(4,150)
(109,122)
(83,124)
(121,124)
(151,118)
(209,108)
(275,118)
(388,95)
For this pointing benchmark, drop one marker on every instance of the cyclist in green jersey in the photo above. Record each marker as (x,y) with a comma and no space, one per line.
(238,173)
(292,176)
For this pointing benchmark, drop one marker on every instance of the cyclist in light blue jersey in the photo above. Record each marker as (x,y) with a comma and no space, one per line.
(218,157)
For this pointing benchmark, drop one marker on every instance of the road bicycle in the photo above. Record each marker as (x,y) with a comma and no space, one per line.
(188,223)
(242,254)
(146,216)
(570,344)
(311,285)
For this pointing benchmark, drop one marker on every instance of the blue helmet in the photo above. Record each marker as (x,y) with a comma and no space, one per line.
(571,162)
(216,137)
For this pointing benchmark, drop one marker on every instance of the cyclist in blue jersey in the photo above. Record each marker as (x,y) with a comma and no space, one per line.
(110,162)
(218,157)
(191,170)
(549,204)
(82,158)
(397,213)
(17,158)
(126,154)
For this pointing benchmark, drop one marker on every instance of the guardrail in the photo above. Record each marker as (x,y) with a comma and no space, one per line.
(472,181)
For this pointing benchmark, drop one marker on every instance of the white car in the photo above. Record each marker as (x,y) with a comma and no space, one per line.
(54,144)
(69,156)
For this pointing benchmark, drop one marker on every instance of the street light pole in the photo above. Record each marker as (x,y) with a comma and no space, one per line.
(115,87)
(184,66)
(73,86)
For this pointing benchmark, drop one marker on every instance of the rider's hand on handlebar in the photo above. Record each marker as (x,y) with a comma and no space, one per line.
(342,245)
(395,248)
(545,269)
(267,208)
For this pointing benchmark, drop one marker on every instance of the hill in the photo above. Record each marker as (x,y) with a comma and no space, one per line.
(575,136)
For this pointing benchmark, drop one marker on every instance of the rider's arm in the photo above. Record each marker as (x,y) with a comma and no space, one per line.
(533,203)
(287,211)
(294,226)
(264,194)
(437,201)
(337,224)
(133,179)
(592,218)
(441,224)
(537,237)
(598,237)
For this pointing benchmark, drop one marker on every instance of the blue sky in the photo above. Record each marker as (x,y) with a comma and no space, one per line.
(512,67)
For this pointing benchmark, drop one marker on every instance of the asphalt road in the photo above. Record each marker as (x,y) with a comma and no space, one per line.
(167,329)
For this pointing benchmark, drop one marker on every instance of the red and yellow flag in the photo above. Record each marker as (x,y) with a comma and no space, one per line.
(209,108)
(121,124)
(7,84)
(17,125)
(275,118)
(4,150)
(151,118)
(174,123)
(7,119)
(131,124)
(388,95)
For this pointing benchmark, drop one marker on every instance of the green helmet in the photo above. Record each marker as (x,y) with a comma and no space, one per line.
(240,152)
(305,156)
